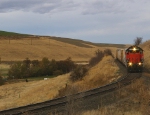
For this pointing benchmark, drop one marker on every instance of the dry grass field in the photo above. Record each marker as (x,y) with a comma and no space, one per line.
(19,49)
(146,47)
(132,100)
(24,93)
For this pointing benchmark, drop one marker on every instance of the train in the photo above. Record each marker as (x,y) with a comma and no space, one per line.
(131,57)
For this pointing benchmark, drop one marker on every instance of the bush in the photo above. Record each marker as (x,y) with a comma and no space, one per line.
(15,71)
(107,52)
(26,62)
(35,71)
(35,68)
(57,72)
(1,80)
(78,73)
(66,65)
(35,63)
(99,56)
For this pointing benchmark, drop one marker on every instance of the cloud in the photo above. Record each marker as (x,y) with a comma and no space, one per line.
(82,19)
(86,7)
(102,6)
(38,6)
(114,6)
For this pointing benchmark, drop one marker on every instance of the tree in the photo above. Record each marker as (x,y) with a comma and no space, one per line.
(66,65)
(15,71)
(27,62)
(138,41)
(35,63)
(45,66)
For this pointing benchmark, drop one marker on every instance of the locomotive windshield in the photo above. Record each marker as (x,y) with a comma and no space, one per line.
(134,50)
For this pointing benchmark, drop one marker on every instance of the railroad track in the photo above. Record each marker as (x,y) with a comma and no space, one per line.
(59,104)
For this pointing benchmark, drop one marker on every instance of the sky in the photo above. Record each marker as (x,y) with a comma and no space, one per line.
(98,21)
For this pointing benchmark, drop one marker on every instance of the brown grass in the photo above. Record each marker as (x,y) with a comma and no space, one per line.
(24,93)
(133,99)
(103,73)
(109,111)
(146,48)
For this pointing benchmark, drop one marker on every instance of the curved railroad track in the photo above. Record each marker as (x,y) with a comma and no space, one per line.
(59,104)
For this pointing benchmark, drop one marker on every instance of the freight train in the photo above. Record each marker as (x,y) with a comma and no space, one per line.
(132,57)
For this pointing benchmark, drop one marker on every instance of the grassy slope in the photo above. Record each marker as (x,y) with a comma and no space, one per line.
(146,48)
(87,44)
(12,35)
(20,49)
(24,93)
(101,74)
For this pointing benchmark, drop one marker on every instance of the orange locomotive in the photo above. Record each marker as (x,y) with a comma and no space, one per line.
(132,58)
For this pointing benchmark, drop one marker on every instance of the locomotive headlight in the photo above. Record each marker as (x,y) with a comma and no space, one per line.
(130,64)
(140,63)
(134,49)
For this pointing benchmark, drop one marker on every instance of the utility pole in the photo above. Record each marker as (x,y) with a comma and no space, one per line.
(31,40)
(9,40)
(49,41)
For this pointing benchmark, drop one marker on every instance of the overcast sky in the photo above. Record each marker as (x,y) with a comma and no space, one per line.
(100,21)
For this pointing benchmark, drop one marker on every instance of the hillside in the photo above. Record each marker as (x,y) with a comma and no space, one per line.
(17,47)
(146,48)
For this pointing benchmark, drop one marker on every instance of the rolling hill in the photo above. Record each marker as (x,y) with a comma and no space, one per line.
(17,47)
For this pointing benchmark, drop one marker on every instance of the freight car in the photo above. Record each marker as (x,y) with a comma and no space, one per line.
(132,58)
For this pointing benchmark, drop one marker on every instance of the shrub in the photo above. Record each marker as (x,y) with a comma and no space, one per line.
(53,65)
(57,72)
(66,65)
(26,62)
(107,52)
(1,80)
(35,68)
(98,57)
(15,71)
(35,71)
(35,63)
(78,73)
(45,66)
